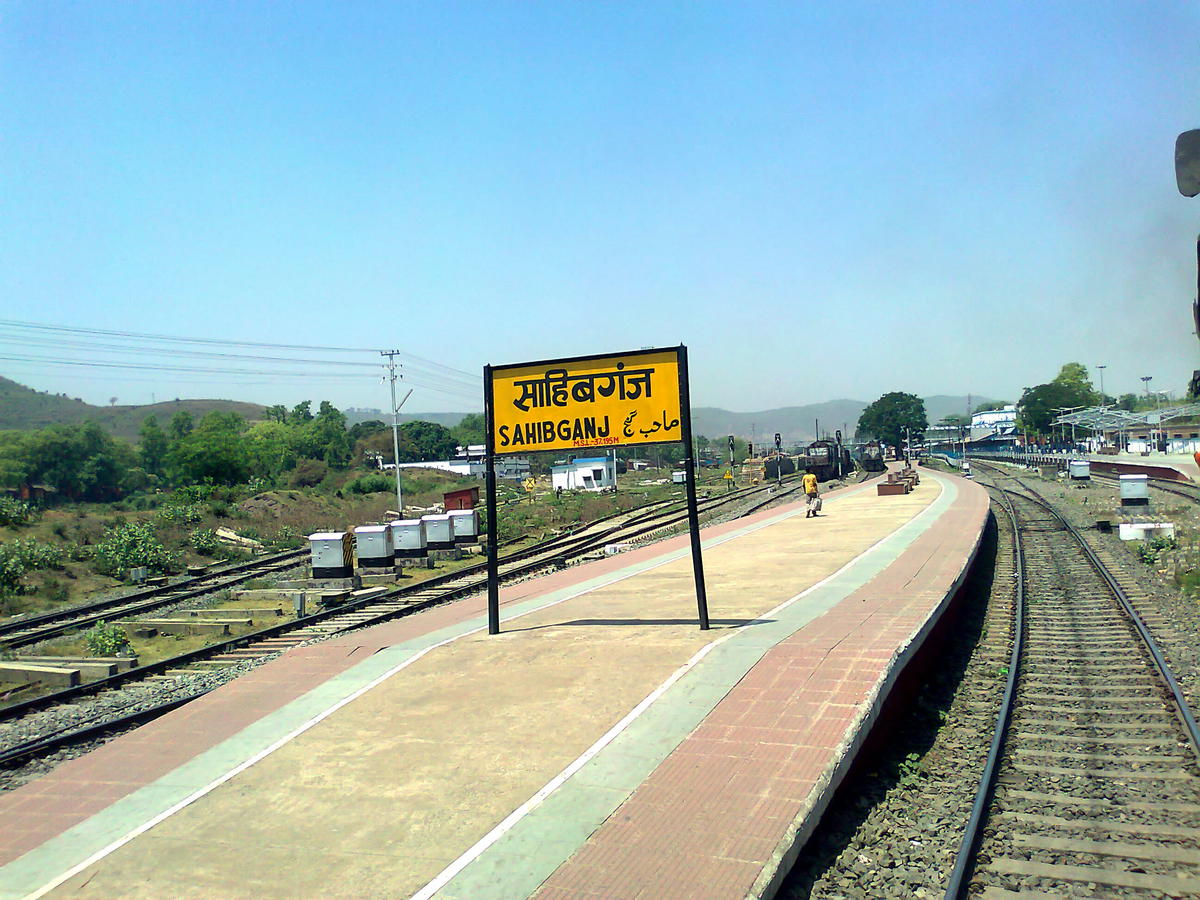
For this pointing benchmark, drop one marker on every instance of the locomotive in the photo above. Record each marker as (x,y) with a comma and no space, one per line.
(872,457)
(778,466)
(821,458)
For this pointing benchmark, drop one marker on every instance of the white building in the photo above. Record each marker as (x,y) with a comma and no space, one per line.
(472,466)
(592,474)
(993,422)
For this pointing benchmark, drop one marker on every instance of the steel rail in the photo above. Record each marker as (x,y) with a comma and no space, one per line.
(987,780)
(54,616)
(15,756)
(957,887)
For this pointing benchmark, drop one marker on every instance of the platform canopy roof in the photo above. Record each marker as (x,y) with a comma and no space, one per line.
(1109,418)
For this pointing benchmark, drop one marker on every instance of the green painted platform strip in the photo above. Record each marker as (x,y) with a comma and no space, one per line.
(514,866)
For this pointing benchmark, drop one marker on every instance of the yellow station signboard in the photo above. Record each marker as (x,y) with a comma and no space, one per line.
(586,402)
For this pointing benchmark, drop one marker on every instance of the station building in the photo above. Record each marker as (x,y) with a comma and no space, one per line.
(469,462)
(592,474)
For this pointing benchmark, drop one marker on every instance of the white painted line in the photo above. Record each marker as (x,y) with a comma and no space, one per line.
(320,717)
(510,821)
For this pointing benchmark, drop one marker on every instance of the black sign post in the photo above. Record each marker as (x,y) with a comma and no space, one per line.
(729,480)
(778,459)
(685,416)
(493,537)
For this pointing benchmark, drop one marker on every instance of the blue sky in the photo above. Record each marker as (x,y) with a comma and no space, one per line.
(820,200)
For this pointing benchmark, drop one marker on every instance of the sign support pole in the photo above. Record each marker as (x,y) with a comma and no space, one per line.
(685,415)
(493,536)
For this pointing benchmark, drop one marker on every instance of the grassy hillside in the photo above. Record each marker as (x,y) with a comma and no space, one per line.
(23,408)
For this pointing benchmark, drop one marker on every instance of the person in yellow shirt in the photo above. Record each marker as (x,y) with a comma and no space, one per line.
(813,490)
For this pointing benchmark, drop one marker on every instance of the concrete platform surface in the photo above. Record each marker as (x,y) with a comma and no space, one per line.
(601,746)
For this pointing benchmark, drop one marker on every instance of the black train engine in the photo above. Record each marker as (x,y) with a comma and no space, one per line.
(822,459)
(872,457)
(778,466)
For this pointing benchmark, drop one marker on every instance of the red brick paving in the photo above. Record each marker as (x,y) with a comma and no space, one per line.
(761,767)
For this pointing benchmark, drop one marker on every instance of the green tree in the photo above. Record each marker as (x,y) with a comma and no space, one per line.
(1074,377)
(301,413)
(471,430)
(277,413)
(14,466)
(153,447)
(888,417)
(360,430)
(215,451)
(1041,404)
(325,437)
(1127,402)
(428,441)
(181,425)
(82,462)
(271,449)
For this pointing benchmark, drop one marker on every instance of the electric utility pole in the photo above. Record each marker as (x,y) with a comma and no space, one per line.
(392,376)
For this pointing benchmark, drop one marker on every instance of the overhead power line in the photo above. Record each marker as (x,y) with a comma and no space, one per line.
(13,323)
(410,359)
(176,351)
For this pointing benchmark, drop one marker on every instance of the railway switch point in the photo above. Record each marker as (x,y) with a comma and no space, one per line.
(619,745)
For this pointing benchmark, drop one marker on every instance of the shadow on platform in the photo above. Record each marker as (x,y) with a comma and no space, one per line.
(731,623)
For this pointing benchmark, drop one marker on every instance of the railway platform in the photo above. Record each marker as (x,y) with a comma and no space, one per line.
(601,746)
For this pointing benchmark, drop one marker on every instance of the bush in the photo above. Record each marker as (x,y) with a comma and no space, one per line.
(204,541)
(371,484)
(14,512)
(308,473)
(181,513)
(103,639)
(219,508)
(128,546)
(18,557)
(1152,550)
(194,493)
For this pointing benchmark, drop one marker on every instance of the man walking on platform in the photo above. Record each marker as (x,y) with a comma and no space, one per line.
(813,490)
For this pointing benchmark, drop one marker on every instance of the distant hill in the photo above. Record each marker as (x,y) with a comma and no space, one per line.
(23,409)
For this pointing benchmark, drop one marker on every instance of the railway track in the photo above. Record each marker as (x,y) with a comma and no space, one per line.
(24,630)
(143,693)
(1092,786)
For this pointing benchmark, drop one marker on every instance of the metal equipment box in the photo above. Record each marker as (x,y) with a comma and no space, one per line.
(1135,490)
(408,538)
(438,533)
(464,526)
(374,543)
(1080,470)
(332,554)
(679,477)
